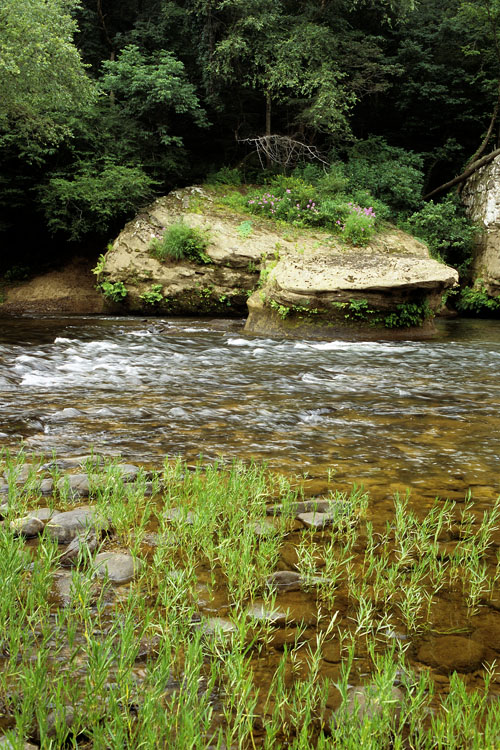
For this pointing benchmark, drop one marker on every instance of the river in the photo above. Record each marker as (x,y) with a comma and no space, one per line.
(387,415)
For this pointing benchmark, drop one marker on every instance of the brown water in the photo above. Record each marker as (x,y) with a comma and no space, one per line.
(388,415)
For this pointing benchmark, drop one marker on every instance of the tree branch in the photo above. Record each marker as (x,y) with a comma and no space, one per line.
(467,173)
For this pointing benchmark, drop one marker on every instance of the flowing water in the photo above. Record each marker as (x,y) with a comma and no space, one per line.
(387,415)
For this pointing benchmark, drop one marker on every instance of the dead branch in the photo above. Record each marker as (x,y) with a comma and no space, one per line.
(282,150)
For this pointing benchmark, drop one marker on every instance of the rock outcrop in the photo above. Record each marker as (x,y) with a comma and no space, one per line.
(481,196)
(309,281)
(327,293)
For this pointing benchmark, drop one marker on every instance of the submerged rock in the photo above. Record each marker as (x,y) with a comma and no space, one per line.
(284,580)
(74,485)
(452,653)
(88,540)
(367,702)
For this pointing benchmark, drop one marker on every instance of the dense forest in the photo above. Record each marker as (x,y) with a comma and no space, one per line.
(104,104)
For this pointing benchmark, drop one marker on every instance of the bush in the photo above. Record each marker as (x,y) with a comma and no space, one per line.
(113,290)
(180,242)
(391,174)
(477,300)
(447,231)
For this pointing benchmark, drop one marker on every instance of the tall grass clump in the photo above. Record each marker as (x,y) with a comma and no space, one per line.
(179,241)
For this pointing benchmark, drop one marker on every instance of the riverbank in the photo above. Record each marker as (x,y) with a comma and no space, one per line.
(213,605)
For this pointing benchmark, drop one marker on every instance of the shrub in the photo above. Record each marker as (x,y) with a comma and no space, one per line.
(447,231)
(391,174)
(180,242)
(225,176)
(359,226)
(154,295)
(477,300)
(113,290)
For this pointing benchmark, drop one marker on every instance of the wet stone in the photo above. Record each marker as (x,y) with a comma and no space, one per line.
(27,526)
(47,486)
(366,702)
(331,652)
(66,526)
(263,528)
(302,506)
(217,626)
(284,580)
(61,586)
(14,744)
(75,485)
(179,515)
(265,614)
(452,653)
(18,474)
(118,567)
(317,521)
(86,540)
(127,472)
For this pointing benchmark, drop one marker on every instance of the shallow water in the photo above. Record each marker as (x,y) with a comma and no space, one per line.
(384,414)
(387,415)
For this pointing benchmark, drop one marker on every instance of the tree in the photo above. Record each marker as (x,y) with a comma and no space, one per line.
(42,78)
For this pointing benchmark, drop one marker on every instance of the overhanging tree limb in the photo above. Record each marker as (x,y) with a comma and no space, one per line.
(467,173)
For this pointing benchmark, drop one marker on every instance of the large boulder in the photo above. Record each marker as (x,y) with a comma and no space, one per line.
(329,293)
(310,281)
(188,288)
(481,196)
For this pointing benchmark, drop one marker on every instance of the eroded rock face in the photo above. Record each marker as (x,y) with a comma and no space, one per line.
(188,288)
(481,196)
(327,293)
(315,271)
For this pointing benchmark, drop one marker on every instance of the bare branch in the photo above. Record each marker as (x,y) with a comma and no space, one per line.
(282,150)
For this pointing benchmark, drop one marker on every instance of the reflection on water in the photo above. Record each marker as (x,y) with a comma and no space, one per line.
(422,414)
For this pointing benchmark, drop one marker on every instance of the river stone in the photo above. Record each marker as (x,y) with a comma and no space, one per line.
(60,719)
(66,526)
(27,526)
(179,515)
(127,472)
(262,528)
(284,580)
(119,567)
(76,485)
(18,474)
(265,614)
(71,554)
(302,506)
(15,744)
(217,626)
(365,701)
(331,652)
(452,653)
(47,486)
(317,521)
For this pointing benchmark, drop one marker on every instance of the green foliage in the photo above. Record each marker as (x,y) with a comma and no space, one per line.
(16,273)
(245,229)
(448,232)
(101,262)
(92,196)
(405,315)
(476,300)
(408,314)
(225,176)
(154,295)
(113,290)
(391,174)
(42,78)
(359,226)
(180,242)
(282,310)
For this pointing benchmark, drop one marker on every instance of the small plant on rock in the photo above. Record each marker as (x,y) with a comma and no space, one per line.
(154,295)
(113,290)
(180,242)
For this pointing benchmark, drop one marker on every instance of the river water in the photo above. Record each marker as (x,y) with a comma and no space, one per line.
(387,415)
